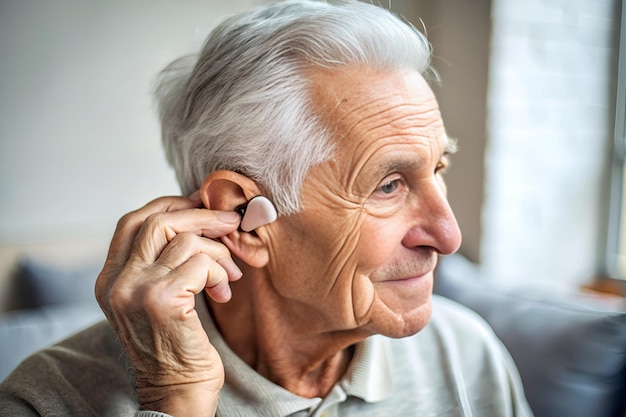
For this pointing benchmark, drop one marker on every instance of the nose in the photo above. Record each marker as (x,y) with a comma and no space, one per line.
(433,222)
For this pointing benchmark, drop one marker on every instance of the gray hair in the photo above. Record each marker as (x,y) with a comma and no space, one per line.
(243,103)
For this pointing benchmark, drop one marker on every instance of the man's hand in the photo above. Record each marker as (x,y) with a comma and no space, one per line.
(161,256)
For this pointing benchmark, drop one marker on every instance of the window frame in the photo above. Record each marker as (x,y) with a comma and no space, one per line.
(616,245)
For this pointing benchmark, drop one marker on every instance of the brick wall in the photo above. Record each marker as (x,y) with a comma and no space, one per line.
(550,115)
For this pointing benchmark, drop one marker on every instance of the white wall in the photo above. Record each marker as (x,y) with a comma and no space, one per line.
(79,139)
(551,109)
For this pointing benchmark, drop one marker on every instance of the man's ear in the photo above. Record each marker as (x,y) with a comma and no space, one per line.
(226,191)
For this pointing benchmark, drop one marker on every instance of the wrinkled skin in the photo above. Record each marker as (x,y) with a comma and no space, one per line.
(160,257)
(377,214)
(357,260)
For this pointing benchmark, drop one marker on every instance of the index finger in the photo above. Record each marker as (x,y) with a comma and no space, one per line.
(159,229)
(128,226)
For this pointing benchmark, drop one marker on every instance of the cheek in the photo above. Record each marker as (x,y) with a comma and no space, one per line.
(376,248)
(310,257)
(380,239)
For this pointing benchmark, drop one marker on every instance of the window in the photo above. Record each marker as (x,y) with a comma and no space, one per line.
(616,258)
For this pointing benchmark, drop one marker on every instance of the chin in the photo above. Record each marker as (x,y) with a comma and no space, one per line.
(402,323)
(402,307)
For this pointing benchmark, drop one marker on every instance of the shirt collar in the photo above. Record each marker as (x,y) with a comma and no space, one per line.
(369,376)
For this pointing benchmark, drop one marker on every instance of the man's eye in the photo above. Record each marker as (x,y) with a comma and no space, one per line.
(389,186)
(442,167)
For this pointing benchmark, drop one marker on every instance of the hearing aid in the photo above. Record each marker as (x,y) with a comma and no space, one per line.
(257,212)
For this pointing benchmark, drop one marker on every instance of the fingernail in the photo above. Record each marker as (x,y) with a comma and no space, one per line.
(231,268)
(228,216)
(220,293)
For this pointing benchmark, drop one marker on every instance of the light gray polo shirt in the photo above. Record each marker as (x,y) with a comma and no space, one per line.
(453,367)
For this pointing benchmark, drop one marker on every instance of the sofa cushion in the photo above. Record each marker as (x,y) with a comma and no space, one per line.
(24,332)
(40,283)
(570,349)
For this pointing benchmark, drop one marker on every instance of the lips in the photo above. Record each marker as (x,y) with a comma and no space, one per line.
(405,275)
(415,268)
(415,276)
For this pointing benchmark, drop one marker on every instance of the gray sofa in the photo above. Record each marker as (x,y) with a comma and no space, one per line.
(570,350)
(48,303)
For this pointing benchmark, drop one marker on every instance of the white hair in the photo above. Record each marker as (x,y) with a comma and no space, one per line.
(243,103)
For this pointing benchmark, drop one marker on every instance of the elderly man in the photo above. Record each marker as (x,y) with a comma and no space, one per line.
(323,109)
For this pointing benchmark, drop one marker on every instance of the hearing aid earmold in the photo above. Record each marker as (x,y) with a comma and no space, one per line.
(257,212)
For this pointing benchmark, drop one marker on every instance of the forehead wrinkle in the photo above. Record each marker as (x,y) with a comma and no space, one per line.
(415,116)
(410,122)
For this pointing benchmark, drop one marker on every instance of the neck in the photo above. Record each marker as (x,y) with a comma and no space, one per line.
(281,341)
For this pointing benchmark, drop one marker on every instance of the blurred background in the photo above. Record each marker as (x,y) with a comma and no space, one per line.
(528,88)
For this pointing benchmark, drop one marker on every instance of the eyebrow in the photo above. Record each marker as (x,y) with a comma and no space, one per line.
(452,146)
(409,163)
(395,165)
